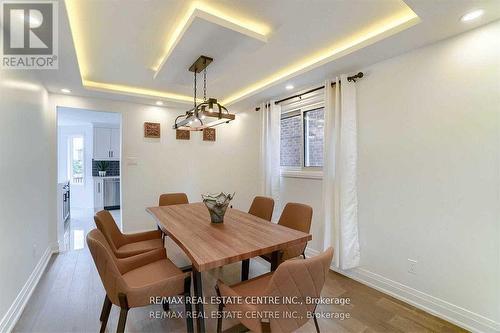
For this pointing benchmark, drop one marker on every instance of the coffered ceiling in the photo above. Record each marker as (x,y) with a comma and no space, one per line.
(142,49)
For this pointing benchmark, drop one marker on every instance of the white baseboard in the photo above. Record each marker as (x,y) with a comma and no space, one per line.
(436,306)
(10,319)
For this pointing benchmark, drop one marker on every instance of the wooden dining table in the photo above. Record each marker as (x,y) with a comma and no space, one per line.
(209,245)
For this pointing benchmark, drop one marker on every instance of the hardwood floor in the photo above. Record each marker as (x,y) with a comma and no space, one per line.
(69,298)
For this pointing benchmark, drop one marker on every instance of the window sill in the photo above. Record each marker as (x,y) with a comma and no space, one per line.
(312,174)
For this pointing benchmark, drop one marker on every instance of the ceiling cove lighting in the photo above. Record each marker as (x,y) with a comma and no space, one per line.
(371,35)
(77,27)
(472,15)
(209,112)
(134,91)
(65,91)
(382,29)
(211,14)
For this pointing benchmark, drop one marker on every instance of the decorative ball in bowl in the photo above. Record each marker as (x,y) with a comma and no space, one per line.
(217,205)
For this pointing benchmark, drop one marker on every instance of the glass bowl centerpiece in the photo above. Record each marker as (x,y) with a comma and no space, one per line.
(217,205)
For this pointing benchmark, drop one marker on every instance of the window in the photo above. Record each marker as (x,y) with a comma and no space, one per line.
(291,140)
(313,137)
(302,135)
(76,162)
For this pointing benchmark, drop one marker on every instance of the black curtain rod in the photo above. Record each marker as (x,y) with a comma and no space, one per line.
(349,79)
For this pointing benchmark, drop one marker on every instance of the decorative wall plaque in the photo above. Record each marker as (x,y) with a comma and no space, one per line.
(209,134)
(182,134)
(151,130)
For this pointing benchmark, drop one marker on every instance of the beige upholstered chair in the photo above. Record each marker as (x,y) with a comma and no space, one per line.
(262,207)
(299,278)
(296,216)
(130,282)
(168,199)
(125,245)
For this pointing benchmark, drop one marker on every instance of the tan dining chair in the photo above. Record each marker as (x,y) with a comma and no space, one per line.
(293,280)
(295,216)
(125,245)
(168,199)
(262,207)
(131,282)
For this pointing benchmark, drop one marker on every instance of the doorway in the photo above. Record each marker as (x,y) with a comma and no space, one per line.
(88,172)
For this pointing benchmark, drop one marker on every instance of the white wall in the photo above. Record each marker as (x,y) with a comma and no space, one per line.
(429,177)
(82,195)
(429,181)
(309,192)
(153,166)
(27,203)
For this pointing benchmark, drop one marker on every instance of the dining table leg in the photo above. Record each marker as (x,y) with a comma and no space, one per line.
(245,269)
(274,260)
(198,293)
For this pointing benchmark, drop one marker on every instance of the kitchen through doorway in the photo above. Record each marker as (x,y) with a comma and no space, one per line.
(88,172)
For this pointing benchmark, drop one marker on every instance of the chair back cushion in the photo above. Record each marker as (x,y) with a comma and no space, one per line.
(296,216)
(168,199)
(107,225)
(106,264)
(300,278)
(262,207)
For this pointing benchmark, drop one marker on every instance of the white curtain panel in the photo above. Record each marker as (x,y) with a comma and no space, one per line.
(340,173)
(270,149)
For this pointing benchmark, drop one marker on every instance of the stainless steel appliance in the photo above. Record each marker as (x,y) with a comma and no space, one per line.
(66,202)
(111,193)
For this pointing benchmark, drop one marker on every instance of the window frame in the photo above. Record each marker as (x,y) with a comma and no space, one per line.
(304,144)
(290,114)
(70,159)
(311,102)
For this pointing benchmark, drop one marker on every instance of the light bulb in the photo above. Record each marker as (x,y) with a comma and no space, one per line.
(472,15)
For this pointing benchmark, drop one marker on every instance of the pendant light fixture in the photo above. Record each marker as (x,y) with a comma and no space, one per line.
(208,113)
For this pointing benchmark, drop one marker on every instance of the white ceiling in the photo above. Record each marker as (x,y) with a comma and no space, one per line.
(224,45)
(120,43)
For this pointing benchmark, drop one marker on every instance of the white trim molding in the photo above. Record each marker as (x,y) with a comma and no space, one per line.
(438,307)
(300,173)
(10,319)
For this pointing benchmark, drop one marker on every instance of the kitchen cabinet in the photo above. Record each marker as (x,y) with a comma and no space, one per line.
(115,143)
(106,193)
(98,193)
(102,139)
(106,143)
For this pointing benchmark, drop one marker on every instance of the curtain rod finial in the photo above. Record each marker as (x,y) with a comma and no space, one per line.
(354,77)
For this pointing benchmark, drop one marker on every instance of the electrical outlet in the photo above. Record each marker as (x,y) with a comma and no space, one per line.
(412,266)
